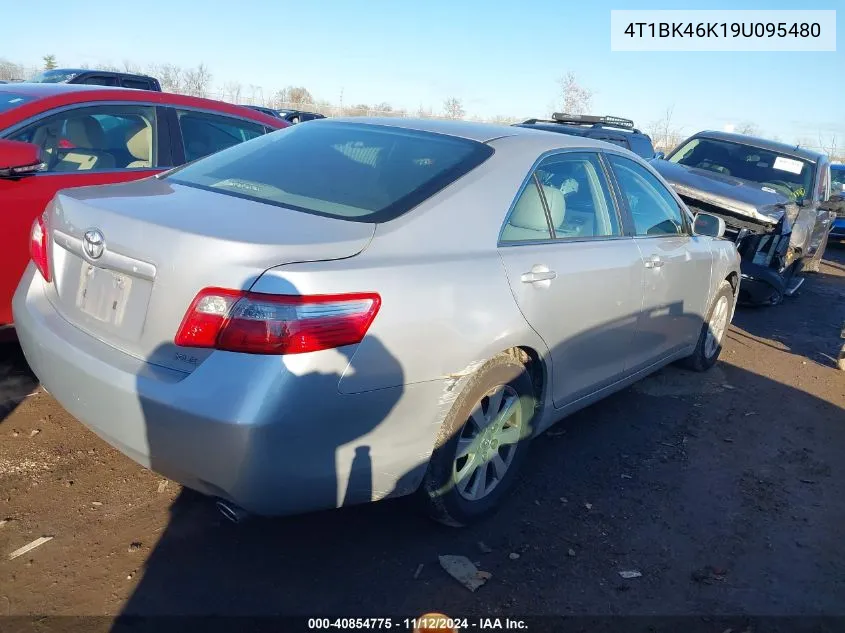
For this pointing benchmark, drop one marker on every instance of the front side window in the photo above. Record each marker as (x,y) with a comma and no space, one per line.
(654,210)
(775,172)
(204,134)
(359,172)
(95,138)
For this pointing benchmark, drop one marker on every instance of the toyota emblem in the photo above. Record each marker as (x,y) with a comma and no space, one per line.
(94,243)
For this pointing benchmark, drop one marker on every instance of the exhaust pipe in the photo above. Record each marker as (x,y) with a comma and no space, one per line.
(233,513)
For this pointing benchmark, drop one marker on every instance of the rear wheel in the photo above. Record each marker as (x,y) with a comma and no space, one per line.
(713,330)
(482,444)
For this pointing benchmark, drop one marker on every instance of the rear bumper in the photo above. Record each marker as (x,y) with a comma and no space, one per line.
(251,429)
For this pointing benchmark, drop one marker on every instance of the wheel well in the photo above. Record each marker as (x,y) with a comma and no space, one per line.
(733,279)
(536,369)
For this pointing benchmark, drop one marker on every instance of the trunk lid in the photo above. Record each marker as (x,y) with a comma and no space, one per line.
(163,242)
(736,195)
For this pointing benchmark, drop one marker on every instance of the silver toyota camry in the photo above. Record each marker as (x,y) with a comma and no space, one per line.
(349,310)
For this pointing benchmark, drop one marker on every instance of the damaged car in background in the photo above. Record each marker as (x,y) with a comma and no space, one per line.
(775,200)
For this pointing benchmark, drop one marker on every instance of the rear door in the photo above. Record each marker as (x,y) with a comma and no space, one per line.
(202,133)
(677,265)
(82,145)
(575,276)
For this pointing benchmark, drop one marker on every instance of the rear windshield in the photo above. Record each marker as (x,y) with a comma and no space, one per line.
(9,100)
(351,171)
(58,76)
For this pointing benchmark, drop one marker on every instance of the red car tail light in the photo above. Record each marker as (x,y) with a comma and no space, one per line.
(259,323)
(38,246)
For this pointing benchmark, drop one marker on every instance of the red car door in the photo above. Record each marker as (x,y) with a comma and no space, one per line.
(22,201)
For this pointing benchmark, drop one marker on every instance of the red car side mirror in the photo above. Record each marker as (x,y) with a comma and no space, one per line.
(19,159)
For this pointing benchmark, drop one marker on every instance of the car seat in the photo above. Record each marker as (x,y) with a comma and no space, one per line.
(87,137)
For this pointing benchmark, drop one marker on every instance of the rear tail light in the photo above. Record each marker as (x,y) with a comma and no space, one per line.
(38,246)
(258,323)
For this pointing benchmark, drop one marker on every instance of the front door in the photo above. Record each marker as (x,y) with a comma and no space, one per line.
(677,265)
(574,275)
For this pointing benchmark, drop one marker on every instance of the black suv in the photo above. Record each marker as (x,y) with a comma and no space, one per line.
(291,116)
(612,129)
(96,78)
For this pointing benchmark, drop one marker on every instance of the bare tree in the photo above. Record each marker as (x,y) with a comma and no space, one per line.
(232,91)
(295,96)
(829,146)
(10,71)
(197,81)
(425,113)
(664,135)
(49,62)
(576,98)
(454,108)
(748,128)
(384,108)
(170,77)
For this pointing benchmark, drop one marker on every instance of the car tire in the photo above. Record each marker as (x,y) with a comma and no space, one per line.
(813,264)
(708,348)
(450,480)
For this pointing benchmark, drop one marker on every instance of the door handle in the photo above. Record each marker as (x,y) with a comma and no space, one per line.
(654,262)
(538,273)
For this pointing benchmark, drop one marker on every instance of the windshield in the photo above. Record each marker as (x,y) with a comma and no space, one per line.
(779,173)
(351,171)
(54,76)
(9,100)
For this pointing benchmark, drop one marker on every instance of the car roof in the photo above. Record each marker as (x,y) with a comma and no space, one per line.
(47,96)
(526,139)
(762,143)
(472,130)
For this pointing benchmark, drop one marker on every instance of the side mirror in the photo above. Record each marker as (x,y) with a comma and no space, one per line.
(659,155)
(708,225)
(19,159)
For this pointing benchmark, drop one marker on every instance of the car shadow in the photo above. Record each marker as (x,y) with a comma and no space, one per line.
(684,496)
(17,381)
(357,559)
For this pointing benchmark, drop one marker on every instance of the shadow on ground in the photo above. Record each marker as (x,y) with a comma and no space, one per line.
(16,379)
(680,474)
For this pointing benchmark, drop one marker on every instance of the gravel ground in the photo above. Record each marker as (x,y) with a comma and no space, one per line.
(724,490)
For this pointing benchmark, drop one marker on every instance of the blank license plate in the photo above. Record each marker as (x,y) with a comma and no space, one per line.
(103,294)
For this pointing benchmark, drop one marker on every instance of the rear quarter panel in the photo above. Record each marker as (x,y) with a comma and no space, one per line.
(446,303)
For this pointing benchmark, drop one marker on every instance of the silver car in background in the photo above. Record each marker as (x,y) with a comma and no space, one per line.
(351,310)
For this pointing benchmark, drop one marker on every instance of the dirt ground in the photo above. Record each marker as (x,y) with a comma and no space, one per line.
(724,490)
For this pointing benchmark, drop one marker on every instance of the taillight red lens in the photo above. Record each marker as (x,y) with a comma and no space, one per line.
(38,247)
(259,323)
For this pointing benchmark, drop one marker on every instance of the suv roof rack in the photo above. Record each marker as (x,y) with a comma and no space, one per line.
(588,119)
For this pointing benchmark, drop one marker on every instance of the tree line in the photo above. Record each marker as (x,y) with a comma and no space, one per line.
(574,97)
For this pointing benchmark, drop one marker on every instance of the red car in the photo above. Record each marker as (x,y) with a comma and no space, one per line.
(56,136)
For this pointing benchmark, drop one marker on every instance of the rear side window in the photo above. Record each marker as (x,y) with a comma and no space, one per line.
(137,84)
(99,80)
(358,172)
(610,138)
(204,134)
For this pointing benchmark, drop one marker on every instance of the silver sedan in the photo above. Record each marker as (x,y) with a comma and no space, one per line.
(350,310)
